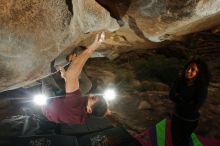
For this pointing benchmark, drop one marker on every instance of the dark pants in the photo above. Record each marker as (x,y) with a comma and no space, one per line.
(181,130)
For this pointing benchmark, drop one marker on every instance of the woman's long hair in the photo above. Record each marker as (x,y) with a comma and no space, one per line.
(203,75)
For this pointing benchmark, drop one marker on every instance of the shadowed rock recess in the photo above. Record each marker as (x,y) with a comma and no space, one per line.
(147,42)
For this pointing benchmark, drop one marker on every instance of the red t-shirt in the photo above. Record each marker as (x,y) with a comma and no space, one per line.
(68,110)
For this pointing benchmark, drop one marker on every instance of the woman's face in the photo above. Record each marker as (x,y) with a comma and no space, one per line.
(192,71)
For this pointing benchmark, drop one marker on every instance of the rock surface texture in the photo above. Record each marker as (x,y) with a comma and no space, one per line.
(33,33)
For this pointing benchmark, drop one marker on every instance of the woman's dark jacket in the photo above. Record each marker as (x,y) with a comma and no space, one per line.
(188,99)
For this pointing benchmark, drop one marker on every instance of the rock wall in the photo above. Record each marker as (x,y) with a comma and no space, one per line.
(34,32)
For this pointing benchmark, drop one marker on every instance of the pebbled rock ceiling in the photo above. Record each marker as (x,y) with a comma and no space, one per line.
(34,32)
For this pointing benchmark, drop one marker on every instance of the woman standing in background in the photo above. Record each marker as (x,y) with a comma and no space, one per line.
(188,93)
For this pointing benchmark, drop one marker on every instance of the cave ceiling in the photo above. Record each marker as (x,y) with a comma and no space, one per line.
(33,33)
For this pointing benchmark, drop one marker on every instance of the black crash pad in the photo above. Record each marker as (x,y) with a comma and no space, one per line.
(116,136)
(51,140)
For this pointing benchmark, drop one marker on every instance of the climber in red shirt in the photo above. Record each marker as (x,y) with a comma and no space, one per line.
(73,108)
